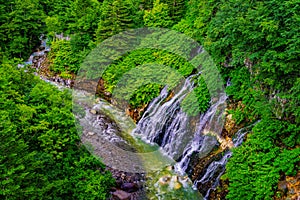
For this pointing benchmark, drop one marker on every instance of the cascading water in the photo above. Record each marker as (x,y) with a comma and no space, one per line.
(104,130)
(201,143)
(216,169)
(43,48)
(167,125)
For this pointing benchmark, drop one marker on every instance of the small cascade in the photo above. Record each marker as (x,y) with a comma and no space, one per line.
(37,59)
(42,50)
(216,169)
(213,174)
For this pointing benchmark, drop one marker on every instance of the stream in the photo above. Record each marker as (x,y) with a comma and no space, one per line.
(160,145)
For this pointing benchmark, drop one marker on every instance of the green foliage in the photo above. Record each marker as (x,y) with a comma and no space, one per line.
(255,42)
(146,4)
(177,9)
(144,94)
(85,15)
(255,167)
(198,100)
(58,16)
(78,19)
(66,56)
(196,10)
(20,27)
(158,16)
(163,62)
(40,153)
(139,57)
(116,17)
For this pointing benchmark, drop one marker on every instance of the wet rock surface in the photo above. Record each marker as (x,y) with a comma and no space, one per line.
(221,191)
(199,169)
(99,127)
(129,186)
(206,172)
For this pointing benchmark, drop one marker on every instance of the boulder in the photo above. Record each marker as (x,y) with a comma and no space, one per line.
(121,195)
(170,168)
(282,185)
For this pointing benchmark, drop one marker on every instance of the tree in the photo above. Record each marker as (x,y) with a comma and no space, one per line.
(67,55)
(85,16)
(116,17)
(21,27)
(58,16)
(177,9)
(158,16)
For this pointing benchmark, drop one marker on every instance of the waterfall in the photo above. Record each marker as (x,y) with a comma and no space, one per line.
(166,124)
